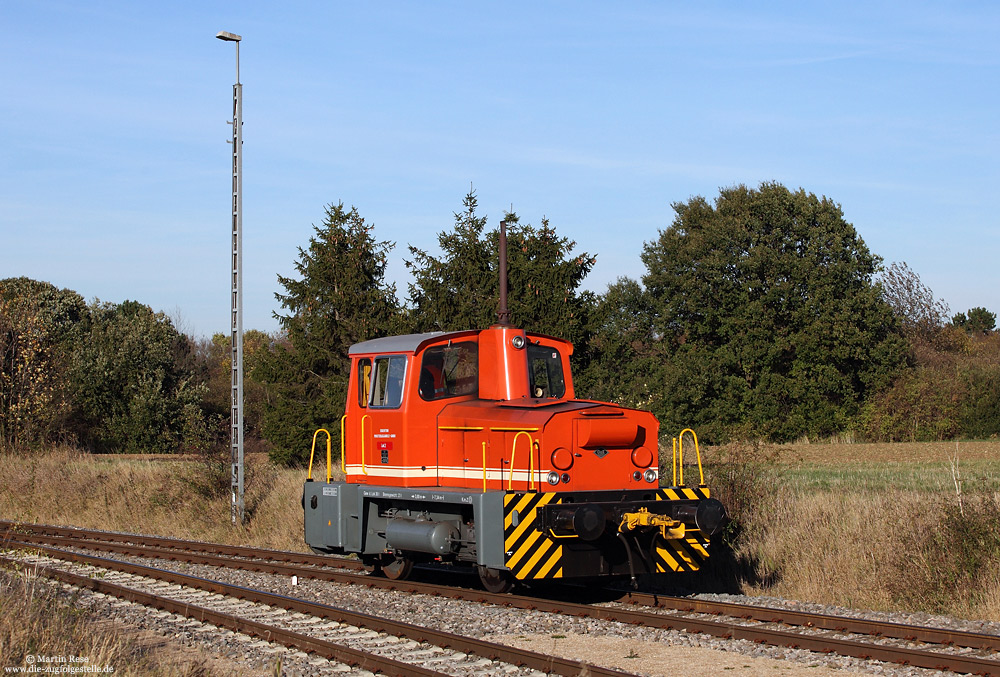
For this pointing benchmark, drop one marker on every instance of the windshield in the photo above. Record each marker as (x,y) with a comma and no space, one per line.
(545,372)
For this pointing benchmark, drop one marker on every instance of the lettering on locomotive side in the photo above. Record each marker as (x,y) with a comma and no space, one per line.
(329,491)
(375,493)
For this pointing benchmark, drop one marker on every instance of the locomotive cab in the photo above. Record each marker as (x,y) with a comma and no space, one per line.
(487,410)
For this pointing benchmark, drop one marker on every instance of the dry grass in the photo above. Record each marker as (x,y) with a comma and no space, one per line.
(888,551)
(909,526)
(38,620)
(183,499)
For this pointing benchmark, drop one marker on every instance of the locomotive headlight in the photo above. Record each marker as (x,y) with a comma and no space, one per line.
(650,475)
(552,478)
(517,342)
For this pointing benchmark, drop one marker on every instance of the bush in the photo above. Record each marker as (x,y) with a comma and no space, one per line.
(922,405)
(742,476)
(979,415)
(948,570)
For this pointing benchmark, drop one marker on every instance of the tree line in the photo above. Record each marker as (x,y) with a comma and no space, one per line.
(760,314)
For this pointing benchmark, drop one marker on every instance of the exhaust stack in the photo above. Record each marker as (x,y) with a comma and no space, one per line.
(503,315)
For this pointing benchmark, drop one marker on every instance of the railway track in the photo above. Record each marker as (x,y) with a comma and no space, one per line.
(941,649)
(360,640)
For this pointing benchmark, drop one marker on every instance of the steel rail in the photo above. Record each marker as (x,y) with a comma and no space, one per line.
(182,544)
(915,657)
(482,648)
(859,626)
(960,638)
(191,557)
(330,650)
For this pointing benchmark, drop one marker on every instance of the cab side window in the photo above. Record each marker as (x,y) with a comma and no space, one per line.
(449,371)
(545,372)
(387,381)
(364,381)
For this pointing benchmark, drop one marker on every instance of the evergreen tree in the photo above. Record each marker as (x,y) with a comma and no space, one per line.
(624,355)
(460,289)
(340,298)
(977,321)
(768,315)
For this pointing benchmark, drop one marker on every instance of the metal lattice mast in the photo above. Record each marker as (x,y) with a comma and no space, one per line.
(236,354)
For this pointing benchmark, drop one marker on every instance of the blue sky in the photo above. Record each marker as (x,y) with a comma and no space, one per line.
(114,170)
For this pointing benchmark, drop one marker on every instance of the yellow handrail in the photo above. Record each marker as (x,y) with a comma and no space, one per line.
(531,464)
(312,453)
(363,439)
(701,472)
(675,461)
(343,455)
(680,461)
(531,460)
(484,467)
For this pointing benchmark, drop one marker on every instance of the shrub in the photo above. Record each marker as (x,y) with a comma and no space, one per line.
(743,477)
(947,569)
(922,405)
(979,415)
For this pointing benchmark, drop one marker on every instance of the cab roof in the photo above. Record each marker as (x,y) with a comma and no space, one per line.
(409,343)
(406,343)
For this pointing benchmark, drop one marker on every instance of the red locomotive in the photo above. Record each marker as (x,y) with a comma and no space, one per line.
(470,448)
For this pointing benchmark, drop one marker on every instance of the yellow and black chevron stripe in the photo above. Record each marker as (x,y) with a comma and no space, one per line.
(681,554)
(682,493)
(530,553)
(533,554)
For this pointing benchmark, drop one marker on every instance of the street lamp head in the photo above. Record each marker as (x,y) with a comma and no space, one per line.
(228,37)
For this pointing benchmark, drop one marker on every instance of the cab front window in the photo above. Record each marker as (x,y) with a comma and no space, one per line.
(449,371)
(545,372)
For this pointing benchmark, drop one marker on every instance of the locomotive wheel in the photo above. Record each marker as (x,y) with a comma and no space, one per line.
(495,580)
(372,564)
(397,568)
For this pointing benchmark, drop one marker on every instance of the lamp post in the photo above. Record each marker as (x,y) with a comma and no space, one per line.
(236,410)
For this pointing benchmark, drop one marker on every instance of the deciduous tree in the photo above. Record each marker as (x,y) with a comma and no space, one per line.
(37,324)
(129,381)
(626,362)
(913,302)
(768,314)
